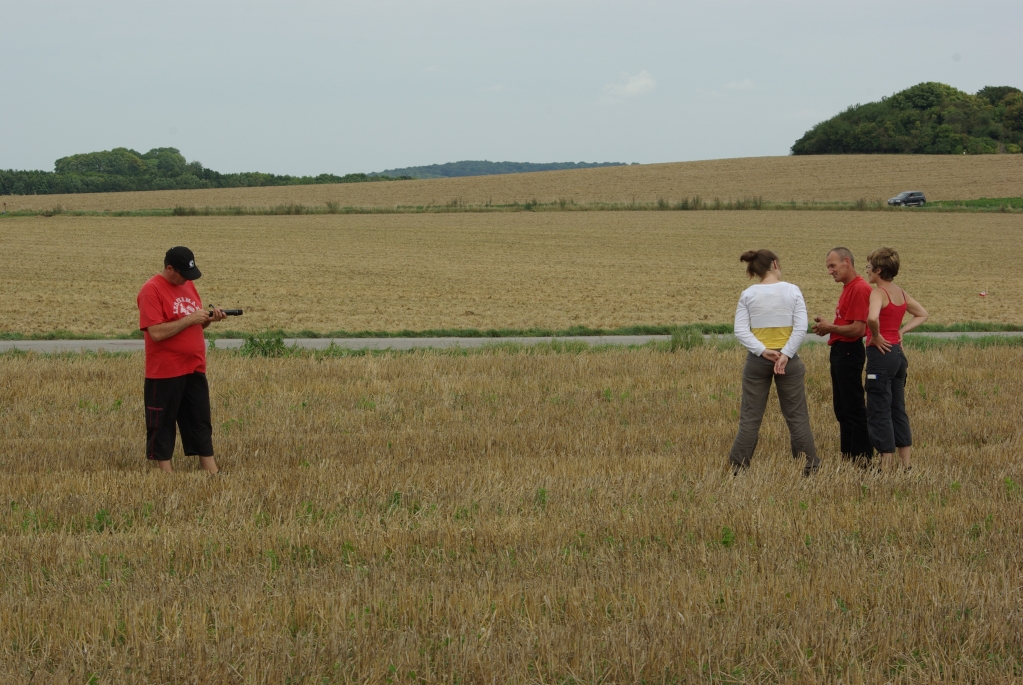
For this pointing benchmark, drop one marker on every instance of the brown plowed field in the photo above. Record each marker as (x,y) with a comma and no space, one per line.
(508,270)
(822,178)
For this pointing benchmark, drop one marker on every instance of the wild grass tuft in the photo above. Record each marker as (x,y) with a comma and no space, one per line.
(288,209)
(266,344)
(686,337)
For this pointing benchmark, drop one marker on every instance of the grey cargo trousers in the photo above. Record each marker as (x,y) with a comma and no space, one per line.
(756,387)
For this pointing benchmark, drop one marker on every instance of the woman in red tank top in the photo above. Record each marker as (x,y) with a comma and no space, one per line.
(889,319)
(887,421)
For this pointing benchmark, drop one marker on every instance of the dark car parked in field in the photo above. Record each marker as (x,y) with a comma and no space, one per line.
(910,198)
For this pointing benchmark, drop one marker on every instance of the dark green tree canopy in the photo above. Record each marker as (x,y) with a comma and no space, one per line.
(165,168)
(929,118)
(120,161)
(164,162)
(162,168)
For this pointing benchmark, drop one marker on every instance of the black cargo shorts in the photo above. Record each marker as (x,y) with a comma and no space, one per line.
(183,401)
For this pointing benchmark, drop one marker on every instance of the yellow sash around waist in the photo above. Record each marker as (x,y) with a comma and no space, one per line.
(773,338)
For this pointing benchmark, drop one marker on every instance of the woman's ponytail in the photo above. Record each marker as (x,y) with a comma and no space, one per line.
(758,262)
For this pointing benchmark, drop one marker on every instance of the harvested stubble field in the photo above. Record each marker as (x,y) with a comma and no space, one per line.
(602,270)
(504,517)
(822,178)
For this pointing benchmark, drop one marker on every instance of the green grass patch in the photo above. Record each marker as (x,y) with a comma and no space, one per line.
(571,332)
(212,334)
(1012,204)
(73,356)
(275,348)
(993,204)
(61,334)
(970,327)
(916,342)
(278,349)
(683,333)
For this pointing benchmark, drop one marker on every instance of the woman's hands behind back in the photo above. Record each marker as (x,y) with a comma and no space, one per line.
(779,359)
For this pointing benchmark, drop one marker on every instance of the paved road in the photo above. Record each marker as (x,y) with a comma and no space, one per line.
(54,346)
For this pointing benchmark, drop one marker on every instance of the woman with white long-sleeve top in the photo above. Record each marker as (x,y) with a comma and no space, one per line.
(770,322)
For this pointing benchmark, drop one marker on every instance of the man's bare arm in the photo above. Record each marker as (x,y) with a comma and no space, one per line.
(856,329)
(168,329)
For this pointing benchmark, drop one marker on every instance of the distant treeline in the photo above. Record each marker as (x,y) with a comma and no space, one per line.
(484,168)
(162,168)
(929,118)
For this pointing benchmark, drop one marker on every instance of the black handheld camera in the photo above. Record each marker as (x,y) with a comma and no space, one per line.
(227,312)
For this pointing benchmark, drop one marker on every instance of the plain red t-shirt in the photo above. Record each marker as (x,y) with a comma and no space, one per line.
(161,301)
(889,320)
(853,305)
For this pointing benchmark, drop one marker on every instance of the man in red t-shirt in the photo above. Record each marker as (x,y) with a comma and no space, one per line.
(176,391)
(848,355)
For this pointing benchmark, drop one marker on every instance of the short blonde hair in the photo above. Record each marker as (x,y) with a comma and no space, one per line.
(885,262)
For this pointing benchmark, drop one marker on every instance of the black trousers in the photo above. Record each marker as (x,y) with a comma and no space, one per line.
(886,399)
(847,359)
(183,401)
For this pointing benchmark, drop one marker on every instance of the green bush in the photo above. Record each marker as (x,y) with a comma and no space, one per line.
(686,337)
(267,344)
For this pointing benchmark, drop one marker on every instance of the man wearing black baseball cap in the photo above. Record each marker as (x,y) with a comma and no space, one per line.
(176,392)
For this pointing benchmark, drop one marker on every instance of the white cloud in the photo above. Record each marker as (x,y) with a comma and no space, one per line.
(630,87)
(745,84)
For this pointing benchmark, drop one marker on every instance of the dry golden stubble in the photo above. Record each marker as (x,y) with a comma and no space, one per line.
(499,516)
(824,178)
(602,270)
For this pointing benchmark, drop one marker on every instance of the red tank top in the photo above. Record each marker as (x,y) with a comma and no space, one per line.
(889,321)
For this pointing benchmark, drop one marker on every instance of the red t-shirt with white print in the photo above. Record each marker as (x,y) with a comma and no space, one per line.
(161,301)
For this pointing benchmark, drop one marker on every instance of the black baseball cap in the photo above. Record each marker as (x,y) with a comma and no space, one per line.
(183,261)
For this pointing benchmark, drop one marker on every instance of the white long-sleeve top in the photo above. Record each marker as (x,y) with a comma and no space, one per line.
(770,312)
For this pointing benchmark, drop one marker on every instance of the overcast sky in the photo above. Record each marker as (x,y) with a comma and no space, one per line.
(313,86)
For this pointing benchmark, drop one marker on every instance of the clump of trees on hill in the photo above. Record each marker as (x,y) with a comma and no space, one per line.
(929,118)
(162,168)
